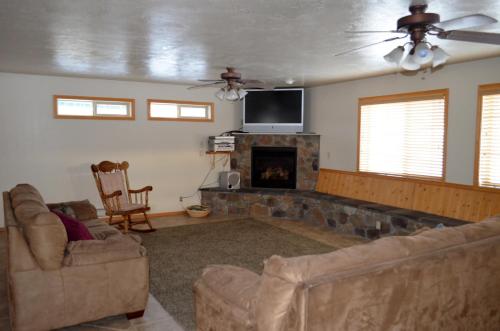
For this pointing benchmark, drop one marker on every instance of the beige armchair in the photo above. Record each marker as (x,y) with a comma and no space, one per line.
(53,283)
(117,197)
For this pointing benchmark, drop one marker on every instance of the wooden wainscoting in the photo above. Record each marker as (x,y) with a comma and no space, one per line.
(457,201)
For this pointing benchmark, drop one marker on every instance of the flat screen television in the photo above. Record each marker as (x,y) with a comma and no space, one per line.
(279,111)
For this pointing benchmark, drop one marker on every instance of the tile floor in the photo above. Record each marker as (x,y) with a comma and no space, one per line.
(155,317)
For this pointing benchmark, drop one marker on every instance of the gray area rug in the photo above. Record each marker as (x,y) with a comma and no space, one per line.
(179,254)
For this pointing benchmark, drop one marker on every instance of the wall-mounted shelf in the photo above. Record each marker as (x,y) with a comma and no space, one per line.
(215,153)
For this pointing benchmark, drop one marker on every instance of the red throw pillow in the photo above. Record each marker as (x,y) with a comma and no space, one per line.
(75,229)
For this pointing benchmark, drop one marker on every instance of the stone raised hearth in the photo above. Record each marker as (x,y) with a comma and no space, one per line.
(307,156)
(346,216)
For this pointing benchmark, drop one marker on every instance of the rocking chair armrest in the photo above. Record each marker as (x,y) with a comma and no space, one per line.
(112,195)
(144,189)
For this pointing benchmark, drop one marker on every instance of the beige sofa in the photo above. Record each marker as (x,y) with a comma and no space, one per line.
(439,279)
(53,283)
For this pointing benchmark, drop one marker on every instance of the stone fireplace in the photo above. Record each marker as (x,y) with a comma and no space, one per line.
(274,167)
(305,147)
(274,159)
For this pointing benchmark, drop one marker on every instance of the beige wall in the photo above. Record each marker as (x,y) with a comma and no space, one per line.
(333,112)
(55,155)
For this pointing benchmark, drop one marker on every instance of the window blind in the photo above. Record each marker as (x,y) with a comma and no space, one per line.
(489,150)
(404,138)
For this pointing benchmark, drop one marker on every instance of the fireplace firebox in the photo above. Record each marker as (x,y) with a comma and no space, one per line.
(274,167)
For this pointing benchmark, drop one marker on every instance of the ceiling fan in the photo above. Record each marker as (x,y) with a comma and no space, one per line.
(231,85)
(417,52)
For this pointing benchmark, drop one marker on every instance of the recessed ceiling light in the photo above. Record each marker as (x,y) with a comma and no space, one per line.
(290,81)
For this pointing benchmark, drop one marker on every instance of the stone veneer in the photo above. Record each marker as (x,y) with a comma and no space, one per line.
(307,155)
(346,216)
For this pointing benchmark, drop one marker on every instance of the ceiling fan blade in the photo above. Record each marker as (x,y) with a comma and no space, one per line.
(471,36)
(369,45)
(375,31)
(213,84)
(211,80)
(465,22)
(251,81)
(262,87)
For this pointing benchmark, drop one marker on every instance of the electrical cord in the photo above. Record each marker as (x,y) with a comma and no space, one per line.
(212,168)
(203,185)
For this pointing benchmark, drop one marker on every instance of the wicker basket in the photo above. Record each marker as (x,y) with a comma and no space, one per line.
(198,211)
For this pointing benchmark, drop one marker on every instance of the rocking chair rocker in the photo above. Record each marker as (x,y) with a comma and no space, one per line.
(117,197)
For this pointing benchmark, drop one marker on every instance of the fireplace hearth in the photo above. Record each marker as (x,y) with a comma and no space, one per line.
(274,167)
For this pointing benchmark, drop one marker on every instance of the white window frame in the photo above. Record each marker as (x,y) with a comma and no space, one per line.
(483,90)
(130,103)
(209,111)
(407,97)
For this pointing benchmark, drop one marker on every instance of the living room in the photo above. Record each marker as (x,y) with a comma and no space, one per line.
(58,51)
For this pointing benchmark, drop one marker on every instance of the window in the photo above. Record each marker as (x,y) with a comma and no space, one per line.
(488,136)
(93,108)
(171,110)
(404,134)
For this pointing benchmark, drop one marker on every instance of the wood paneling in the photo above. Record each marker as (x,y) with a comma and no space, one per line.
(463,202)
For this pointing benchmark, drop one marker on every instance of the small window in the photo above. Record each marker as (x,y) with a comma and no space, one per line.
(488,137)
(93,108)
(404,134)
(171,110)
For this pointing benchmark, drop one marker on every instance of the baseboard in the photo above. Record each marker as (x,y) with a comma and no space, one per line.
(154,215)
(166,214)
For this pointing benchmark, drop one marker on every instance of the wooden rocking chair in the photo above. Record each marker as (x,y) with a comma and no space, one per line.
(117,197)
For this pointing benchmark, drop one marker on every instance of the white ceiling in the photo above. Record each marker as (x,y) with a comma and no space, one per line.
(183,40)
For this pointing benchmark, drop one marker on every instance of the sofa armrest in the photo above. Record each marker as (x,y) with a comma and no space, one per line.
(225,298)
(82,210)
(114,248)
(20,258)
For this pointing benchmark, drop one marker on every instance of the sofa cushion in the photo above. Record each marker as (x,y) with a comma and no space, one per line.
(43,230)
(114,248)
(303,268)
(74,229)
(26,210)
(82,210)
(47,239)
(24,188)
(66,210)
(23,197)
(101,230)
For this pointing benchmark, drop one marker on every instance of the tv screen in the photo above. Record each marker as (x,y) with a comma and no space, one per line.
(273,111)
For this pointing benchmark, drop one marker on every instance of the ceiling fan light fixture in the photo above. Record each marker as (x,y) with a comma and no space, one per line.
(440,56)
(232,95)
(221,94)
(409,64)
(395,55)
(418,26)
(242,93)
(423,53)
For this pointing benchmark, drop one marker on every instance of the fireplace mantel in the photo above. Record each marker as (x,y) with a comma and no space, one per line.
(274,134)
(307,145)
